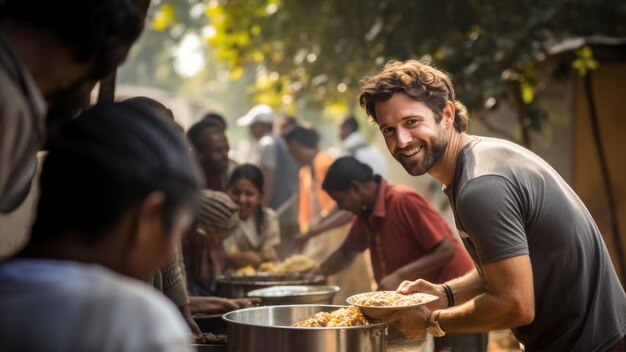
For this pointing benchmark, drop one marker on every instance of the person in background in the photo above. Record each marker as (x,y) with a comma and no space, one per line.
(216,119)
(406,236)
(258,232)
(203,252)
(542,268)
(111,212)
(323,226)
(211,147)
(280,171)
(50,59)
(354,144)
(205,257)
(284,125)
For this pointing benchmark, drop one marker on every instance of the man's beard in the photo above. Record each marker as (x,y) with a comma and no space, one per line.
(432,153)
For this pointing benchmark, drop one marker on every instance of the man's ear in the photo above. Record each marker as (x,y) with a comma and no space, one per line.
(447,114)
(150,219)
(356,187)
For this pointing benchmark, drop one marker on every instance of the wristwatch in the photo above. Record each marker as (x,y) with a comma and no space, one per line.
(433,326)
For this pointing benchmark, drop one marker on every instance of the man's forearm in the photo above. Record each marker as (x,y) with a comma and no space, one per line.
(466,287)
(506,302)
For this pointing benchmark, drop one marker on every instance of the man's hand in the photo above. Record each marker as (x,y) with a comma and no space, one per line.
(389,282)
(299,242)
(424,286)
(411,322)
(186,312)
(219,305)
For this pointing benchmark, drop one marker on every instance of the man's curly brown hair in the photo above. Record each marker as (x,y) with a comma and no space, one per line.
(419,81)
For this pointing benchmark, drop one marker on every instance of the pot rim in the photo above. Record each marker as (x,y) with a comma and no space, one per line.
(374,323)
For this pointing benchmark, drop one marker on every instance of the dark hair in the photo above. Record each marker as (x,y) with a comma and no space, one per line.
(104,163)
(253,174)
(195,131)
(145,102)
(308,137)
(96,29)
(216,118)
(344,171)
(419,81)
(351,122)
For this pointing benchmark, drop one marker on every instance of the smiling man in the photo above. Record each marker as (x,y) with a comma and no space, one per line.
(543,269)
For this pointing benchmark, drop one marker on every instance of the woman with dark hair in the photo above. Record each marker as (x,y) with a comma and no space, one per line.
(118,190)
(258,232)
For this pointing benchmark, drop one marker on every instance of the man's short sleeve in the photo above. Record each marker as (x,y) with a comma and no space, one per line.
(490,212)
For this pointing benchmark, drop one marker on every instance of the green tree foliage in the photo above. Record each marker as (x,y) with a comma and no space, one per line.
(319,50)
(316,52)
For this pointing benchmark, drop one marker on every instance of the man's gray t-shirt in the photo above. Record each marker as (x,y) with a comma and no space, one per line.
(509,202)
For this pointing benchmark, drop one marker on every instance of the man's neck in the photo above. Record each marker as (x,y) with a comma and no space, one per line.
(445,168)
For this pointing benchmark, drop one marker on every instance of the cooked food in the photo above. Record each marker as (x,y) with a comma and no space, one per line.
(389,299)
(209,338)
(295,264)
(246,270)
(268,267)
(341,317)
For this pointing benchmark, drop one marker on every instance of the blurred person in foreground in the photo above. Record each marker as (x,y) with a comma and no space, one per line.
(51,55)
(170,279)
(111,212)
(542,268)
(406,236)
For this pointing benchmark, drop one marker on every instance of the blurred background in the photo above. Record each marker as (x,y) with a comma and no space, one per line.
(549,75)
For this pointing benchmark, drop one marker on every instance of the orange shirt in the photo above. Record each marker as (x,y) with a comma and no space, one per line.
(313,200)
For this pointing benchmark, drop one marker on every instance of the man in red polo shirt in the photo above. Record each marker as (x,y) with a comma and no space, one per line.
(407,238)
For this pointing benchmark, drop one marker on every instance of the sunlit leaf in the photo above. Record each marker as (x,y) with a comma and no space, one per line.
(164,17)
(528,92)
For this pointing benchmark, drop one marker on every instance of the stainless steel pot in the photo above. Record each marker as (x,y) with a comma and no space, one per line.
(237,286)
(285,295)
(269,329)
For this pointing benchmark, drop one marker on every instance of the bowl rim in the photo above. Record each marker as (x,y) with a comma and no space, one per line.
(352,301)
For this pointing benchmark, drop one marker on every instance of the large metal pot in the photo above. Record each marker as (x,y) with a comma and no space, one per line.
(285,295)
(237,286)
(269,329)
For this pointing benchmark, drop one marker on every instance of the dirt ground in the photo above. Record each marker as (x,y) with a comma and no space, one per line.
(502,341)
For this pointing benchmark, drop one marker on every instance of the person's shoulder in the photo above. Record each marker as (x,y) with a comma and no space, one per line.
(12,99)
(268,141)
(270,214)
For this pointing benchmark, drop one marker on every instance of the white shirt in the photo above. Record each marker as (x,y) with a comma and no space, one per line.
(54,305)
(356,146)
(246,237)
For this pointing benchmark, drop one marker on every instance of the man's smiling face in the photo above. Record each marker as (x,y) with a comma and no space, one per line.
(413,133)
